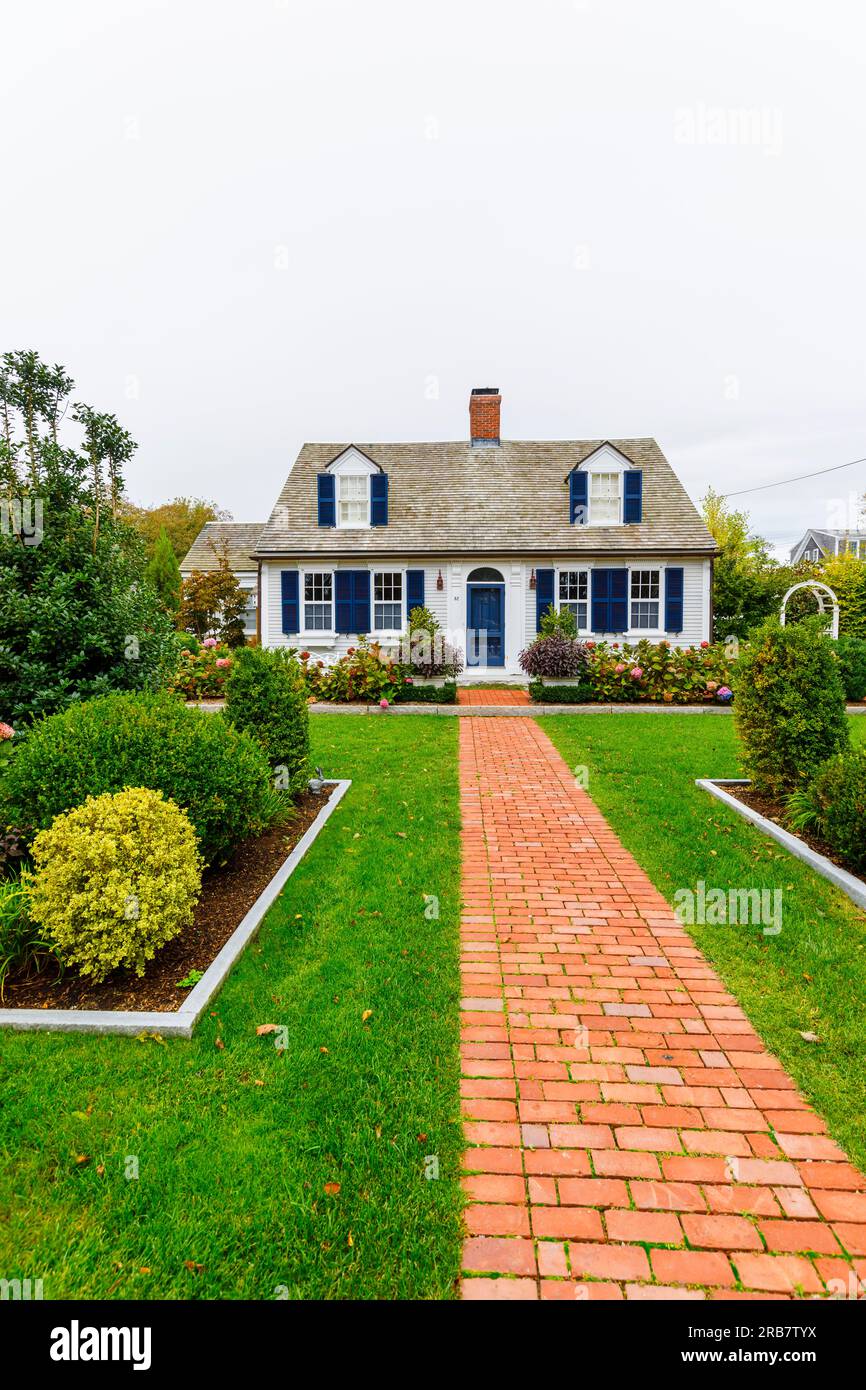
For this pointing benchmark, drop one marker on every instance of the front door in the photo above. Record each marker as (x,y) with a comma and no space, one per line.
(485,621)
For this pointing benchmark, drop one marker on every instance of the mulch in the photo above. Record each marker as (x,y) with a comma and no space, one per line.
(775,811)
(228,893)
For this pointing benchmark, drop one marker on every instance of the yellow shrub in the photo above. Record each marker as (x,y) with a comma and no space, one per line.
(114,880)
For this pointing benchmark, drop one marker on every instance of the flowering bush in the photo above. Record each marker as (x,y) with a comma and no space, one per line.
(554,655)
(7,733)
(658,672)
(424,649)
(362,674)
(201,675)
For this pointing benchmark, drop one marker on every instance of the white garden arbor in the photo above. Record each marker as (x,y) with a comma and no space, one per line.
(822,592)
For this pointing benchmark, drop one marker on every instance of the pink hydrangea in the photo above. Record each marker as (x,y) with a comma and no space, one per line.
(6,731)
(383,704)
(209,642)
(589,645)
(619,668)
(223,661)
(636,673)
(705,644)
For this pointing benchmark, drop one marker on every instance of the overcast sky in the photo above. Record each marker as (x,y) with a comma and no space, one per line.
(241,224)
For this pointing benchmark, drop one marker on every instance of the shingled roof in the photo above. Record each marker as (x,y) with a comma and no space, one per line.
(451,498)
(240,536)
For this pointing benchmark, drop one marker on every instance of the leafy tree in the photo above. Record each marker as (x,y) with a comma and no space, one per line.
(77,617)
(213,603)
(163,573)
(846,576)
(748,585)
(182,519)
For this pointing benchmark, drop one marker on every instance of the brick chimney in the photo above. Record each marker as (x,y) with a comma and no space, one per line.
(484,406)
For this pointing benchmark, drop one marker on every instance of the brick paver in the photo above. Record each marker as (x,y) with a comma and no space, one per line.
(629,1135)
(492,697)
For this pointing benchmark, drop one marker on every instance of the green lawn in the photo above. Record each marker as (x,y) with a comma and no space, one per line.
(232,1174)
(809,978)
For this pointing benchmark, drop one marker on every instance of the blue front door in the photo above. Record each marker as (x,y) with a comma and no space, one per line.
(485,621)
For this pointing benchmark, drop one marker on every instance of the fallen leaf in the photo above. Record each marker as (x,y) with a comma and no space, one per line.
(81,1159)
(100,1168)
(350,1239)
(323,1049)
(378,1131)
(145,1269)
(193,1267)
(401,834)
(422,1138)
(258,1083)
(218,1042)
(266,1028)
(332,1188)
(810,1037)
(368,1013)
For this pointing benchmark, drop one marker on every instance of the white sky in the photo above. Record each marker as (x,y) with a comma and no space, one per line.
(244,225)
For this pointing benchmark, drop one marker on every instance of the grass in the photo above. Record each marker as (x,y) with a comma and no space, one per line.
(809,978)
(239,1145)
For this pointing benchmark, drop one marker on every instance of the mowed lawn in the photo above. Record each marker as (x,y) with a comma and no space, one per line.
(262,1173)
(811,977)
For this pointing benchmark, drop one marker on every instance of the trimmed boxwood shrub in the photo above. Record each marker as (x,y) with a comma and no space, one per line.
(410,693)
(581,693)
(851,652)
(266,696)
(114,880)
(790,704)
(219,775)
(834,805)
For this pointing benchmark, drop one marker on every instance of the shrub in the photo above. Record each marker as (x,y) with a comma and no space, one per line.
(790,705)
(362,674)
(658,672)
(851,652)
(216,773)
(834,804)
(554,655)
(426,694)
(202,674)
(424,649)
(22,944)
(266,696)
(114,880)
(563,623)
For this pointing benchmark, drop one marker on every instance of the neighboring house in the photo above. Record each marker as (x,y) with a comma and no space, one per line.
(818,544)
(487,533)
(238,540)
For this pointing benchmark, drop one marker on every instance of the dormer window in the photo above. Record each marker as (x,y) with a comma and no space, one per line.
(353,499)
(604,490)
(605,499)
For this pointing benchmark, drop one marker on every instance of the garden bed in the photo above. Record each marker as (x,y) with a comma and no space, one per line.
(234,900)
(767,815)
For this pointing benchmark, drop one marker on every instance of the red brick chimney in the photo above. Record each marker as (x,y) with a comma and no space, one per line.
(484,404)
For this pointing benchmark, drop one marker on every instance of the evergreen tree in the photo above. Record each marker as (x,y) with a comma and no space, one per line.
(163,573)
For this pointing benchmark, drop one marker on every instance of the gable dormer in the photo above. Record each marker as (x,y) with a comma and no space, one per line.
(605,490)
(353,492)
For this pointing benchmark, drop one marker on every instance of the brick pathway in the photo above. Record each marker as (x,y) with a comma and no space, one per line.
(629,1134)
(492,697)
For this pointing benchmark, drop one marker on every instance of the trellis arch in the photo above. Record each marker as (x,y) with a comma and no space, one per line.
(819,590)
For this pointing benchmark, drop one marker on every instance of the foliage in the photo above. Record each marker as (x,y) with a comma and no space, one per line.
(834,804)
(846,576)
(266,696)
(851,652)
(213,602)
(411,693)
(163,574)
(23,947)
(77,618)
(561,624)
(554,654)
(659,672)
(362,674)
(202,674)
(424,649)
(114,880)
(182,519)
(218,775)
(790,704)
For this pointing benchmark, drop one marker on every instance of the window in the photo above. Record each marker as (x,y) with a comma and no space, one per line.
(645,600)
(353,507)
(318,602)
(604,499)
(387,602)
(573,595)
(248,617)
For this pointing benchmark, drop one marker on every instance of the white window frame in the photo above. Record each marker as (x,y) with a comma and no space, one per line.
(604,471)
(605,459)
(315,634)
(387,633)
(353,525)
(577,569)
(659,629)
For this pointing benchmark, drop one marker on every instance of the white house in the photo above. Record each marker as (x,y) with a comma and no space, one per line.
(237,541)
(487,533)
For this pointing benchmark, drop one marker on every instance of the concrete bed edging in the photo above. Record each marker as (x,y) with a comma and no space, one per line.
(853,887)
(179,1023)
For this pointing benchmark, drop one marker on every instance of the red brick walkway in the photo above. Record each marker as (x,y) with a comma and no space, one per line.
(492,697)
(629,1134)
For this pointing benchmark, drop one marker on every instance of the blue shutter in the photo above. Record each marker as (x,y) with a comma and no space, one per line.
(632,508)
(579,499)
(414,590)
(290,602)
(343,601)
(674,599)
(360,601)
(327,500)
(379,499)
(543,593)
(609,600)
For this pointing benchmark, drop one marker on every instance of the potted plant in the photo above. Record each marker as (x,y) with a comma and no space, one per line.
(424,650)
(556,657)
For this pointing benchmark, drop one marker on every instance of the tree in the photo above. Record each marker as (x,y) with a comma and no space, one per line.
(213,603)
(748,585)
(846,576)
(77,617)
(163,573)
(182,519)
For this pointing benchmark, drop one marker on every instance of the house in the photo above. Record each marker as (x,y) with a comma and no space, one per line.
(817,544)
(237,541)
(487,533)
